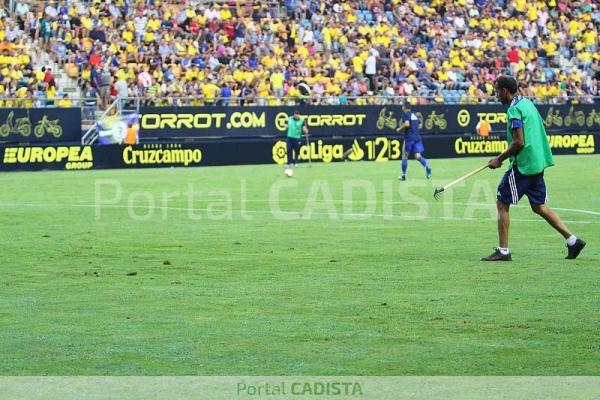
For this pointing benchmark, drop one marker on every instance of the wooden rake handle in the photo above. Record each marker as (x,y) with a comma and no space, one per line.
(464,177)
(438,191)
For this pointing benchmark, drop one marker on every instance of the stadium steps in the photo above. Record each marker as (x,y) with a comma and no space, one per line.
(65,83)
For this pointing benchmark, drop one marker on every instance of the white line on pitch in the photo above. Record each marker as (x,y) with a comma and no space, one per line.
(338,214)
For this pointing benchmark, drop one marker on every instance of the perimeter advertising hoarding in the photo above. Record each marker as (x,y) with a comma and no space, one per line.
(265,151)
(173,123)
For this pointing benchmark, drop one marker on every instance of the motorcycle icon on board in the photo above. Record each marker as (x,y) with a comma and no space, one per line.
(386,120)
(46,125)
(434,119)
(20,126)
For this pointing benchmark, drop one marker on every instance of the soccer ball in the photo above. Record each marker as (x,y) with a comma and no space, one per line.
(288,172)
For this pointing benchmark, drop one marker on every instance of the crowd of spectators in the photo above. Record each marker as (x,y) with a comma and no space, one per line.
(21,84)
(334,51)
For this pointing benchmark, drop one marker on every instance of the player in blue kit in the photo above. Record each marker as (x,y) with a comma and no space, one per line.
(412,141)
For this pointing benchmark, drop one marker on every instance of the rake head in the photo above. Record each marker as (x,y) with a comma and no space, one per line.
(438,193)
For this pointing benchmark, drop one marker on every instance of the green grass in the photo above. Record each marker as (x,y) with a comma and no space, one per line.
(311,296)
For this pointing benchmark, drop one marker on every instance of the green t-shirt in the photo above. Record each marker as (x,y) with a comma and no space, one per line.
(295,128)
(536,156)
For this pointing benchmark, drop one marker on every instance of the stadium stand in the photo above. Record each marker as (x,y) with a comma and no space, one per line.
(328,51)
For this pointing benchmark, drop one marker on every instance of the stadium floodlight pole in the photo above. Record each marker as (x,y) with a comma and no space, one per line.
(438,191)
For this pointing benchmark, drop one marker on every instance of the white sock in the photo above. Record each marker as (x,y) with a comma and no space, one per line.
(571,240)
(504,251)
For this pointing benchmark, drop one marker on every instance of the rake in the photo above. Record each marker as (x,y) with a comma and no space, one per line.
(438,191)
(309,151)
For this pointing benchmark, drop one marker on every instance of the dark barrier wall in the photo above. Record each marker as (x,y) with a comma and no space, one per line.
(264,151)
(332,121)
(26,125)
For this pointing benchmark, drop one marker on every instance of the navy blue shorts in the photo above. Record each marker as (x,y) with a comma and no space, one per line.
(293,149)
(515,185)
(413,146)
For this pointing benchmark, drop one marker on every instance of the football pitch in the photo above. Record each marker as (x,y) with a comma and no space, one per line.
(339,270)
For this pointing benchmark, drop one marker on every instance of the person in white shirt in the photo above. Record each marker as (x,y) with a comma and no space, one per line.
(122,89)
(12,32)
(411,64)
(21,9)
(388,90)
(308,36)
(140,22)
(318,89)
(144,79)
(371,69)
(212,13)
(51,11)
